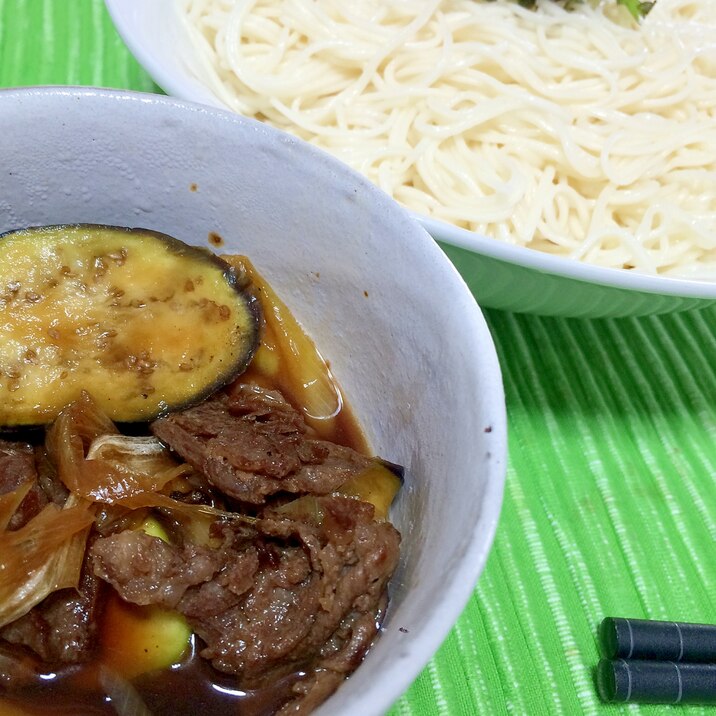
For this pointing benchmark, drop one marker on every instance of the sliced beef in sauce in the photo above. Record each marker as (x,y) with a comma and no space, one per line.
(291,596)
(300,595)
(21,463)
(62,629)
(250,443)
(47,478)
(150,570)
(17,467)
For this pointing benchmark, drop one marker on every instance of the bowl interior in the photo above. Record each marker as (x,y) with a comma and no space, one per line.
(405,338)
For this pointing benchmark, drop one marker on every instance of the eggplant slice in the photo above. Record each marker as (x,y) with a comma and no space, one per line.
(142,321)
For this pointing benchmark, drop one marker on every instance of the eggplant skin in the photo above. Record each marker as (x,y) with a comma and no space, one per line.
(142,321)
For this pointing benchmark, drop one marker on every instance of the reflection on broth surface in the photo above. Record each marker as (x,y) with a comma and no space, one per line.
(192,687)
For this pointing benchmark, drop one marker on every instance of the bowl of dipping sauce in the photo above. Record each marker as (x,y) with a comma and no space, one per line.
(404,339)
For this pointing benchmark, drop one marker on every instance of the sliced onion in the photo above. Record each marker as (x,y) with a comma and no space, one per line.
(120,466)
(116,466)
(124,697)
(305,507)
(10,501)
(287,349)
(71,434)
(44,555)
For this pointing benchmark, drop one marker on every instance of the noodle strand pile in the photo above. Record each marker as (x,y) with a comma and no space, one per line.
(582,134)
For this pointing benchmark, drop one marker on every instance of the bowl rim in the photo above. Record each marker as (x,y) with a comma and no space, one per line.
(460,586)
(565,267)
(637,282)
(165,79)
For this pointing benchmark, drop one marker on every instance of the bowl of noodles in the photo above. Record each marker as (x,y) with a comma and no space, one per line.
(564,158)
(413,379)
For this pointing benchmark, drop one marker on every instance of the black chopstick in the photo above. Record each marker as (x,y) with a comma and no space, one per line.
(657,662)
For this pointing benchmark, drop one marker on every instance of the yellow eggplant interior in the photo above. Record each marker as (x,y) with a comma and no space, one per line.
(140,320)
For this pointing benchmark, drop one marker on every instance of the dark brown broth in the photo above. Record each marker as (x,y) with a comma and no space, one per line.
(345,429)
(192,688)
(197,688)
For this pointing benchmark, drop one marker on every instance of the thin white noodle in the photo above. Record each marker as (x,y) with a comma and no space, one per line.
(580,133)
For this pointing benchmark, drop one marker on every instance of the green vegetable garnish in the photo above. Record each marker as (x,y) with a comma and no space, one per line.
(637,8)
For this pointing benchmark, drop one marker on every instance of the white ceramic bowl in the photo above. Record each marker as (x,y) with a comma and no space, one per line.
(414,356)
(499,275)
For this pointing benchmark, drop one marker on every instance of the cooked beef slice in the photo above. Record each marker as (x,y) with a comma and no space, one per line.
(17,467)
(250,443)
(196,490)
(63,628)
(47,477)
(149,570)
(298,595)
(17,667)
(21,463)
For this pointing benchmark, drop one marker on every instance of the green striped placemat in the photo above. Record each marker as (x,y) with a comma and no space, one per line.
(609,505)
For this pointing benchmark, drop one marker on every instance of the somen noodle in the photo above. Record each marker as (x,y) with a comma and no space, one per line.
(579,133)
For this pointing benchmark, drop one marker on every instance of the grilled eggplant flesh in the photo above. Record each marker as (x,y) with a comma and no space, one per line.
(142,321)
